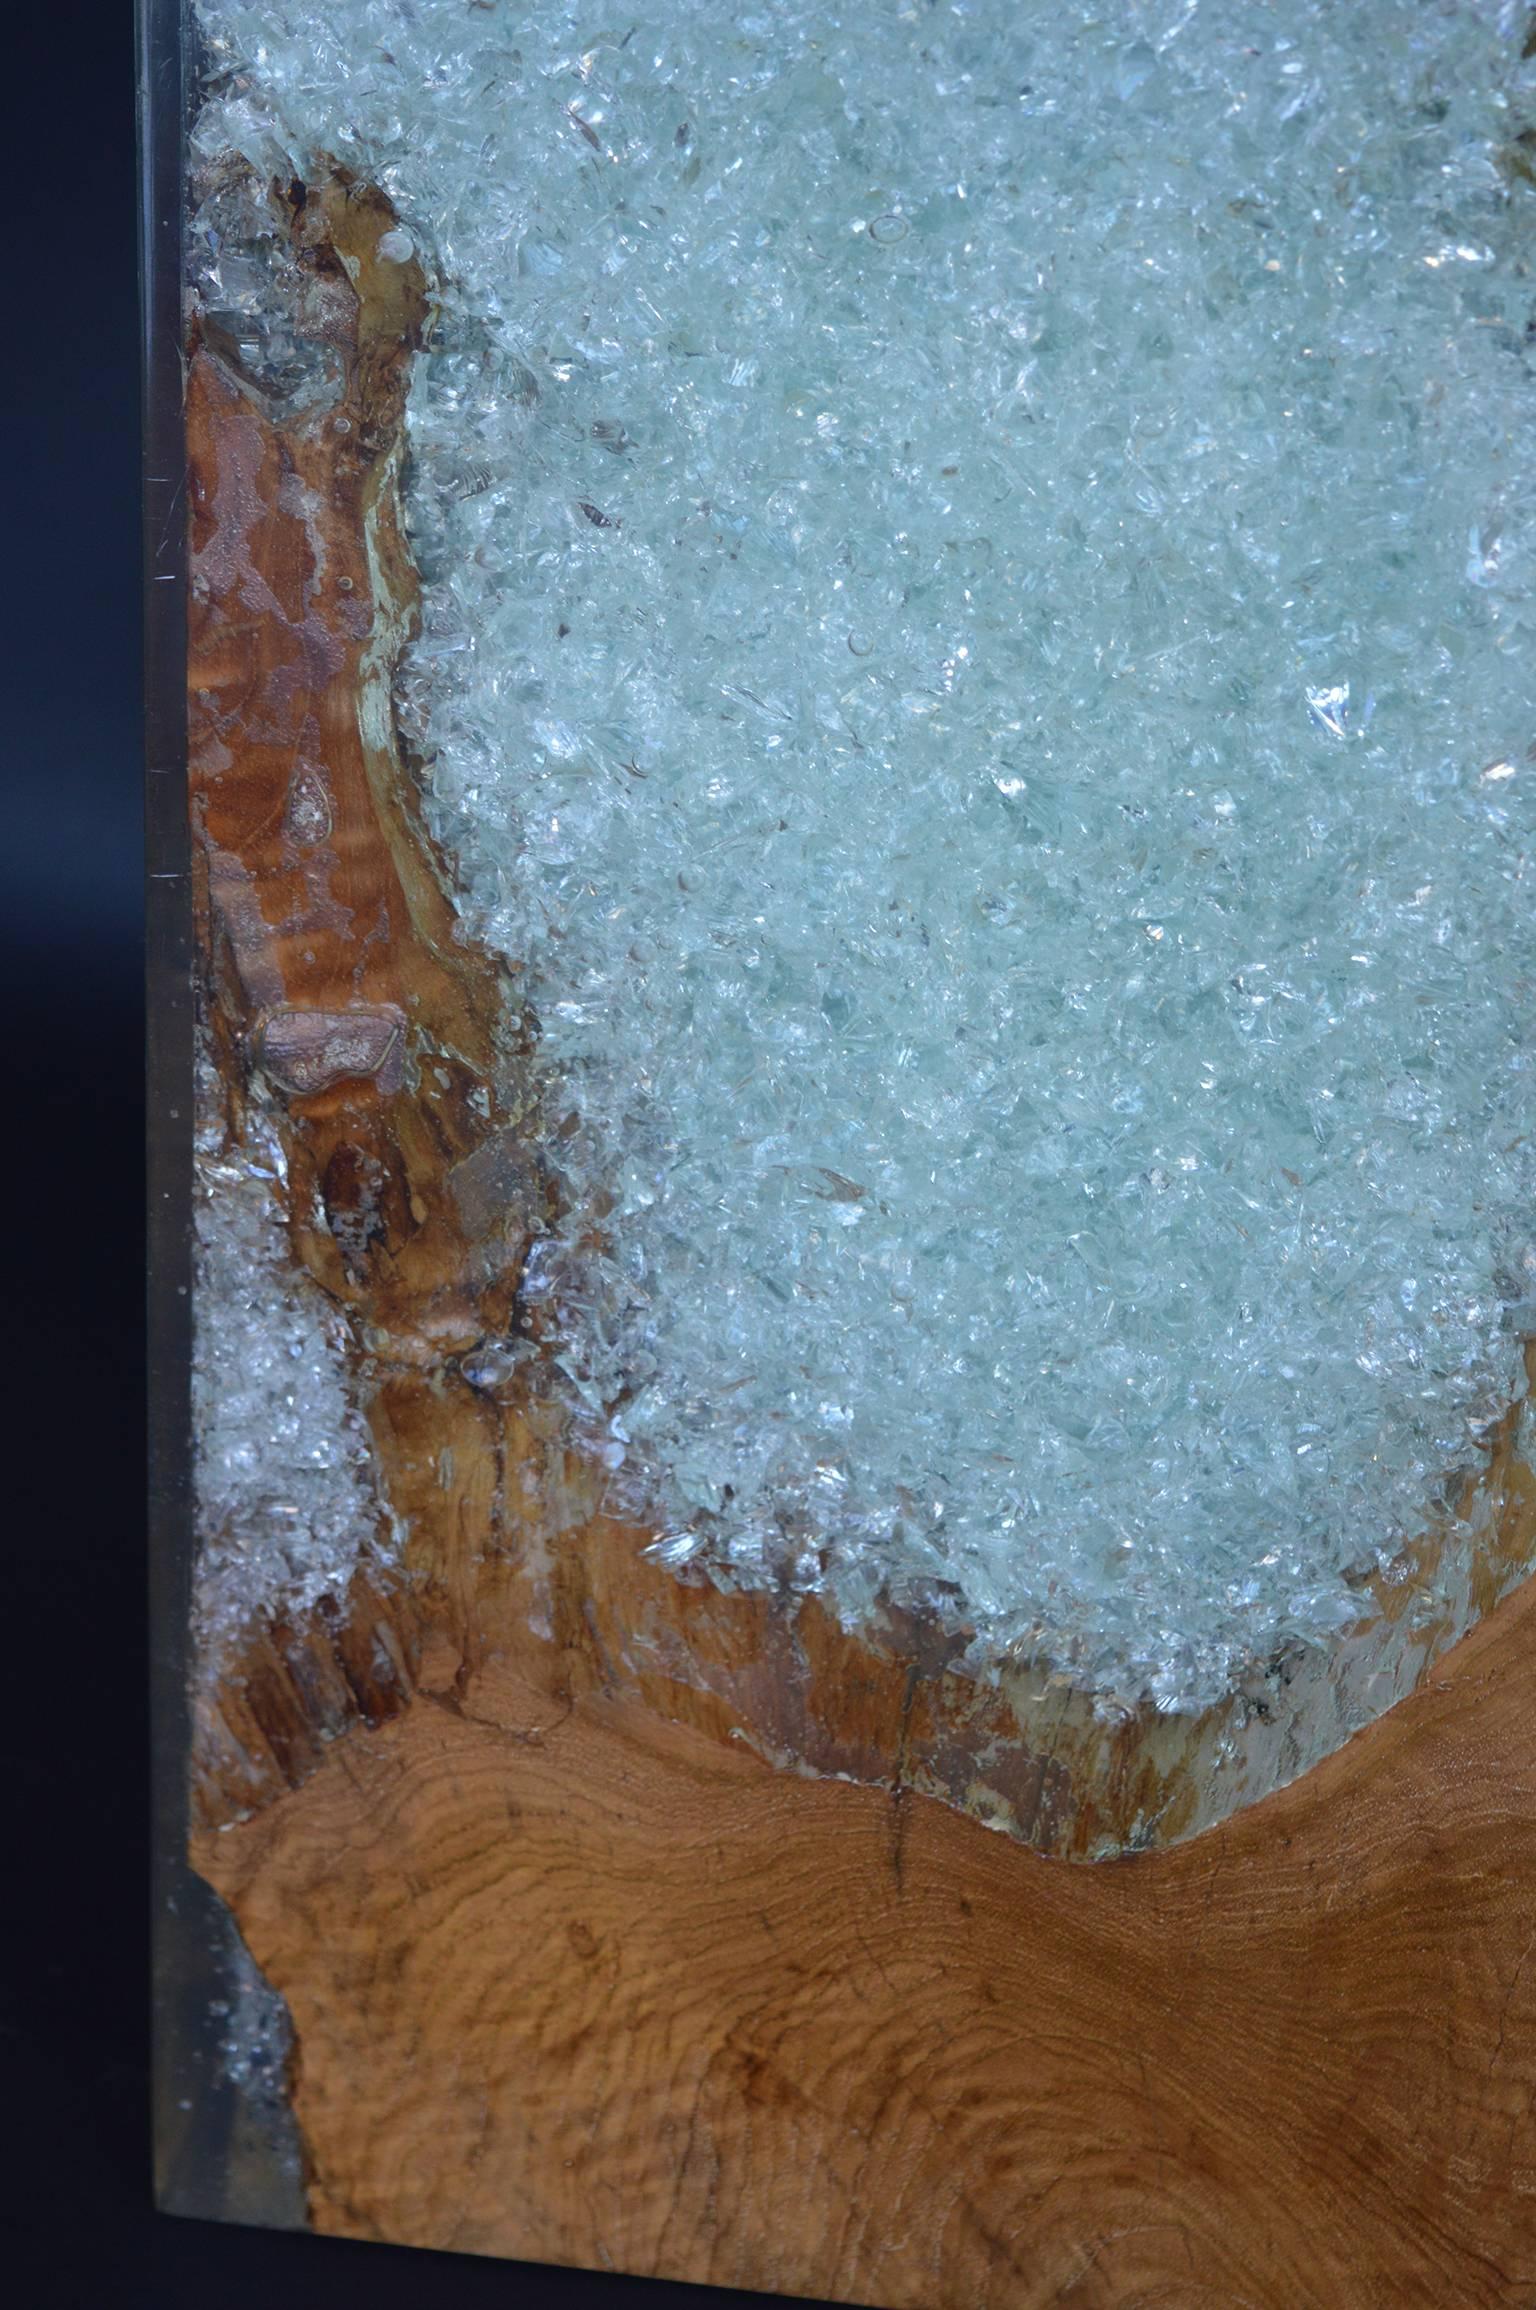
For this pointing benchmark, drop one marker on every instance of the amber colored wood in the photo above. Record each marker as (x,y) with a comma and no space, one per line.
(341,992)
(582,1986)
(623,1919)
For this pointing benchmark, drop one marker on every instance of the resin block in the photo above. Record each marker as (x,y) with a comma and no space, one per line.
(858,789)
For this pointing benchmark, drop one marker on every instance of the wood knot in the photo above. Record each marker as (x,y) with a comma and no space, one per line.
(304,1051)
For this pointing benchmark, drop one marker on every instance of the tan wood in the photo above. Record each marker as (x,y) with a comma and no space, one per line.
(628,1920)
(578,1985)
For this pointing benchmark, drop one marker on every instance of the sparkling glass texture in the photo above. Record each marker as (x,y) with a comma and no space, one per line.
(283,1477)
(976,661)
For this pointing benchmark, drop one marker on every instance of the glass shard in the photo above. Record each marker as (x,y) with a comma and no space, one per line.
(973,666)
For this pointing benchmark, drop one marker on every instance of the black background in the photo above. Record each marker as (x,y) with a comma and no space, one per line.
(74,1883)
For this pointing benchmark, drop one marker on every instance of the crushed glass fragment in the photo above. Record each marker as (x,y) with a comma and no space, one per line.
(909,507)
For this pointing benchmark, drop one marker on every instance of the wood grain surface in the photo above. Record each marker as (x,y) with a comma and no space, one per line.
(579,1985)
(626,1920)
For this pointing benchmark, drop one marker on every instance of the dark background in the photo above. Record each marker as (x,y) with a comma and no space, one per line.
(74,1874)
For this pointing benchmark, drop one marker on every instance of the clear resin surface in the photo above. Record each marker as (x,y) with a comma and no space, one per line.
(976,663)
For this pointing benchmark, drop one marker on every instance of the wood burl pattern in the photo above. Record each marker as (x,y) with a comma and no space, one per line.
(583,1986)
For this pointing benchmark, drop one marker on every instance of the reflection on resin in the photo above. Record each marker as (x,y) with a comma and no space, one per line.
(976,665)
